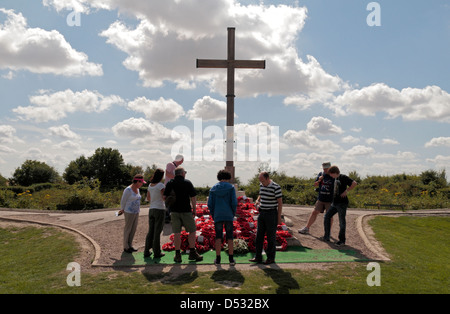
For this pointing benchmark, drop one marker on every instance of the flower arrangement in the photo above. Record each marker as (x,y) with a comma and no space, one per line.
(245,226)
(239,246)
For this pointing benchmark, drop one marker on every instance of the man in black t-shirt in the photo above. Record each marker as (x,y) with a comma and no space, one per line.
(182,215)
(342,185)
(324,183)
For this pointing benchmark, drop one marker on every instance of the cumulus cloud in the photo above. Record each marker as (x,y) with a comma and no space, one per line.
(40,51)
(142,128)
(64,132)
(172,34)
(390,141)
(55,106)
(8,136)
(429,103)
(7,133)
(440,161)
(7,149)
(438,142)
(399,156)
(359,150)
(350,139)
(306,140)
(208,108)
(322,126)
(162,110)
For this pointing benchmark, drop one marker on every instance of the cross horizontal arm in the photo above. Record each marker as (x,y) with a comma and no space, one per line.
(250,64)
(241,64)
(212,63)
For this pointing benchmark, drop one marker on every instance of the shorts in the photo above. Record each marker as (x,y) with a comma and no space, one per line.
(185,220)
(228,229)
(322,206)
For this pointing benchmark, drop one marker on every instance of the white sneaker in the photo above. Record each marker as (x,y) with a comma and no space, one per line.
(305,230)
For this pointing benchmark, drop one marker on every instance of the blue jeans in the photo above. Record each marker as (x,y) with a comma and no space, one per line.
(341,209)
(267,225)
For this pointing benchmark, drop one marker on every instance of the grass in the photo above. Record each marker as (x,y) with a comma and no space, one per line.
(35,261)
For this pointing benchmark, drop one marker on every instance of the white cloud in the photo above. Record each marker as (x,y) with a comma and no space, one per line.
(172,34)
(440,161)
(429,103)
(64,132)
(350,139)
(208,108)
(389,141)
(40,51)
(438,142)
(359,150)
(306,140)
(399,157)
(322,126)
(52,107)
(7,149)
(7,133)
(136,128)
(82,6)
(304,163)
(147,157)
(161,110)
(68,145)
(9,76)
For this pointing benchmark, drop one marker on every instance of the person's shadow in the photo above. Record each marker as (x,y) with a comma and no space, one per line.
(126,259)
(282,278)
(229,278)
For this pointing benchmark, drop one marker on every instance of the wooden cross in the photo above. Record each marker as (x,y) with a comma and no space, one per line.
(230,64)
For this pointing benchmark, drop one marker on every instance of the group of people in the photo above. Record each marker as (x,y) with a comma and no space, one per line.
(182,210)
(222,204)
(333,188)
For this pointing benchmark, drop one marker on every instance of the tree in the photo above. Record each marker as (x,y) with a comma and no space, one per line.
(3,180)
(108,166)
(149,171)
(33,171)
(77,170)
(433,177)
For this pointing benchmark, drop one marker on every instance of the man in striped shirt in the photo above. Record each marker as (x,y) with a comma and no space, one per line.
(270,203)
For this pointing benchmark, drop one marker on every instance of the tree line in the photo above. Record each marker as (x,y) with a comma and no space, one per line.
(105,171)
(106,165)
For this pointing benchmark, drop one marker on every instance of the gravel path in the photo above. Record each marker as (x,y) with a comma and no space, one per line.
(100,234)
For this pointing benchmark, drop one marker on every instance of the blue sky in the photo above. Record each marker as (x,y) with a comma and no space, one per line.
(374,99)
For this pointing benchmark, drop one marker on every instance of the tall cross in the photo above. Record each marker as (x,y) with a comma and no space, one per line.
(230,64)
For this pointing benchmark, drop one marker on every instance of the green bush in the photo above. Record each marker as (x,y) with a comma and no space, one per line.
(411,191)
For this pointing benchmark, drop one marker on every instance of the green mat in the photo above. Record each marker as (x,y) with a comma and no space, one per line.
(294,254)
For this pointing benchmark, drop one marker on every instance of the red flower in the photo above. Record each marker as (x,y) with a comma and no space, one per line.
(244,226)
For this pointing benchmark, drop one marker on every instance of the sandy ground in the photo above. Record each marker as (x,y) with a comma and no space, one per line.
(100,235)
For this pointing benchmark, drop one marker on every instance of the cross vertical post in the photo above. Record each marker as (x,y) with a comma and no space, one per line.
(230,64)
(229,163)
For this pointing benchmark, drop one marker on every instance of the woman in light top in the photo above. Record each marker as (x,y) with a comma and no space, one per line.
(130,207)
(156,215)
